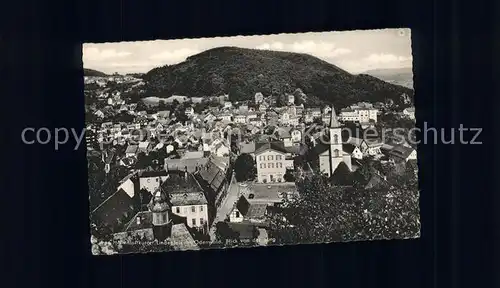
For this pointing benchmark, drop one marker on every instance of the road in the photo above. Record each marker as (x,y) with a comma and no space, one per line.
(227,206)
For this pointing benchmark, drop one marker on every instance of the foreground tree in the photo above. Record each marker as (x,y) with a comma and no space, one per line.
(326,213)
(225,236)
(244,168)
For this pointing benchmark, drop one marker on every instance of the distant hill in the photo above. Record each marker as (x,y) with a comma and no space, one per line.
(91,72)
(399,76)
(243,72)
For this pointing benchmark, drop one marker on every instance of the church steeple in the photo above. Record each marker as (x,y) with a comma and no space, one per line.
(334,123)
(336,151)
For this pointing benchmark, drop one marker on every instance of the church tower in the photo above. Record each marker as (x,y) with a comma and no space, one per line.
(336,151)
(160,209)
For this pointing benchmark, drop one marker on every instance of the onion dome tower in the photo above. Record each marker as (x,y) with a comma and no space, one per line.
(160,209)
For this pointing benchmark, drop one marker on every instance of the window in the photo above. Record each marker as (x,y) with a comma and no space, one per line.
(262,165)
(237,214)
(193,209)
(185,210)
(270,157)
(157,179)
(177,210)
(193,221)
(336,153)
(280,165)
(201,221)
(270,165)
(201,208)
(336,139)
(278,157)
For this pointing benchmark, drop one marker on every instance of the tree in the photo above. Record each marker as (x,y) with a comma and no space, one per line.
(326,213)
(162,105)
(244,168)
(224,235)
(342,175)
(141,106)
(289,177)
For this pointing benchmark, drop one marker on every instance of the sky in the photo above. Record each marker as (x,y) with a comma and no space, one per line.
(354,51)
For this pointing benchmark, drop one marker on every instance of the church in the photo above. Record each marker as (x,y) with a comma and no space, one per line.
(333,153)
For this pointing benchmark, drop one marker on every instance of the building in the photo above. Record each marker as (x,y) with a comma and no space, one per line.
(259,98)
(272,162)
(150,180)
(188,199)
(402,153)
(291,99)
(409,113)
(246,211)
(361,113)
(242,119)
(330,156)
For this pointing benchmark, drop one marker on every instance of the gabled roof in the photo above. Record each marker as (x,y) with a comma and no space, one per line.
(243,205)
(115,211)
(401,151)
(276,146)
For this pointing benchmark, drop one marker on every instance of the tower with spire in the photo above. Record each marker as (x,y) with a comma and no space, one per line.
(161,218)
(336,149)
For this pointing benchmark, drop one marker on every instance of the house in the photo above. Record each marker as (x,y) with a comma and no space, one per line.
(272,162)
(258,98)
(188,199)
(179,99)
(228,105)
(241,119)
(247,147)
(409,113)
(362,113)
(132,150)
(164,114)
(189,111)
(213,176)
(150,180)
(283,134)
(246,211)
(144,147)
(369,147)
(196,99)
(220,149)
(226,117)
(291,99)
(402,153)
(296,135)
(354,151)
(158,223)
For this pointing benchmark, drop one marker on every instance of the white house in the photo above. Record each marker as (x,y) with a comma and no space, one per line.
(409,112)
(296,135)
(241,119)
(272,163)
(189,111)
(151,180)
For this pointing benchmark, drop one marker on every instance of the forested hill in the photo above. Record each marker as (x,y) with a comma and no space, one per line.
(242,72)
(90,72)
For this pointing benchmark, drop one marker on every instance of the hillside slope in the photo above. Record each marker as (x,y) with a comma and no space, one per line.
(243,72)
(400,76)
(95,73)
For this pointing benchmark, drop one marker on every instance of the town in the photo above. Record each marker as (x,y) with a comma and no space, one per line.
(190,173)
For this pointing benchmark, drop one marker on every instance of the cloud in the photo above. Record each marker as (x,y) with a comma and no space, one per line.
(320,49)
(386,58)
(95,54)
(375,61)
(175,56)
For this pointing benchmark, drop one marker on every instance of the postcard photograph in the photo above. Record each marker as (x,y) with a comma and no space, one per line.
(251,141)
